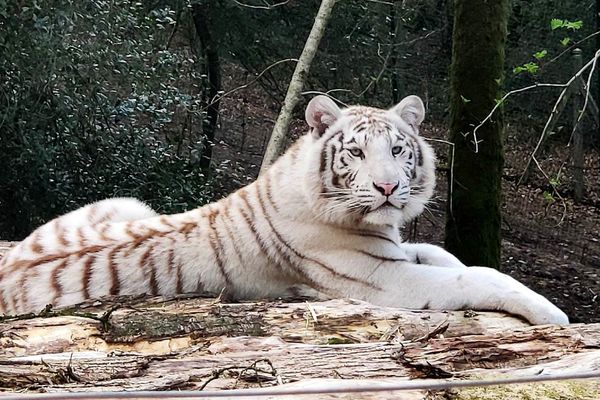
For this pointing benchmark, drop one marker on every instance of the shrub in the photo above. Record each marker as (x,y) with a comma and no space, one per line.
(95,102)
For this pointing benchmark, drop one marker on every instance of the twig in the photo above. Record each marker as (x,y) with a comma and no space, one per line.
(327,93)
(269,7)
(501,102)
(554,111)
(177,18)
(451,177)
(588,85)
(565,87)
(387,3)
(217,374)
(312,312)
(245,85)
(571,47)
(438,330)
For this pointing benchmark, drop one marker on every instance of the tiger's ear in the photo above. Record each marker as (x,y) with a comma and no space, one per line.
(412,110)
(321,113)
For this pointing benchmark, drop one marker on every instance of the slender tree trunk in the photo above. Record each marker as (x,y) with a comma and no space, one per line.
(396,82)
(201,14)
(577,149)
(280,131)
(473,217)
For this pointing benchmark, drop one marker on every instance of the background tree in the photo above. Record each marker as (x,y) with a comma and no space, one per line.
(280,133)
(202,13)
(473,217)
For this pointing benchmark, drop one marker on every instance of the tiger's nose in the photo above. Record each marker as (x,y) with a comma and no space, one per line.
(386,188)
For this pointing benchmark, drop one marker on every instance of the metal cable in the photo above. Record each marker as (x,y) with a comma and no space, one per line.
(360,387)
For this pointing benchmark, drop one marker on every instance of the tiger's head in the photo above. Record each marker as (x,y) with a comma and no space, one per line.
(368,165)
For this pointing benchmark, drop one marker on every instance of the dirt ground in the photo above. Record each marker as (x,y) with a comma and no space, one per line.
(552,247)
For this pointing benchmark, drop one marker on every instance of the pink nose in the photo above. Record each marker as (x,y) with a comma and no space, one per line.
(386,188)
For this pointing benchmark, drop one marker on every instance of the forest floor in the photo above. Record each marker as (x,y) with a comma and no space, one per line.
(552,246)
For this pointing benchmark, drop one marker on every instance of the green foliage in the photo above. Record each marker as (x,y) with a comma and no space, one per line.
(540,54)
(556,23)
(93,104)
(529,67)
(548,197)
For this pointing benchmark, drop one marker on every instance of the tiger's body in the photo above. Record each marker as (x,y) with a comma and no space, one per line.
(322,221)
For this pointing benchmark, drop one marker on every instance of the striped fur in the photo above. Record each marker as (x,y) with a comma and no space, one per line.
(322,221)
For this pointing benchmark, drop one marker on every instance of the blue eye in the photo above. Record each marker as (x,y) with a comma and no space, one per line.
(396,150)
(356,152)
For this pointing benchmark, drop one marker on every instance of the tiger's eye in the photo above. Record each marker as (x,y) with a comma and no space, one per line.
(356,152)
(396,150)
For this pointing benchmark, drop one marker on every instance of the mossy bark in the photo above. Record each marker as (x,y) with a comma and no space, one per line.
(473,217)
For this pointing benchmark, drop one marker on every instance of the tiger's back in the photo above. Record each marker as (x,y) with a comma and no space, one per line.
(323,220)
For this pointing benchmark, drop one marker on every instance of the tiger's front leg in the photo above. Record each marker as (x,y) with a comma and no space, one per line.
(422,253)
(477,288)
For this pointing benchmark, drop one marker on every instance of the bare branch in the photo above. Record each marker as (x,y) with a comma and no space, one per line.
(554,112)
(327,93)
(588,85)
(382,2)
(571,47)
(267,7)
(501,102)
(245,85)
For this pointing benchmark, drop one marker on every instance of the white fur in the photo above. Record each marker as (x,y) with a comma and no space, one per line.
(291,230)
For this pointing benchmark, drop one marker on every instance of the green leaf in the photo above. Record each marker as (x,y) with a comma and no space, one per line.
(530,67)
(464,99)
(540,54)
(556,23)
(548,197)
(554,182)
(575,25)
(565,41)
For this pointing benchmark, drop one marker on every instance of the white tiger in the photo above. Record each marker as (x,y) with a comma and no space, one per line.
(324,220)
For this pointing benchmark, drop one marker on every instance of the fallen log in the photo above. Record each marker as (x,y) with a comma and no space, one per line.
(197,343)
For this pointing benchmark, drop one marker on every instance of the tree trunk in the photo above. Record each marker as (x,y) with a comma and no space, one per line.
(396,82)
(473,217)
(279,135)
(201,12)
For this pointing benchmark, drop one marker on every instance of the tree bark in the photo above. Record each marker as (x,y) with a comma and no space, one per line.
(201,12)
(473,216)
(279,135)
(194,343)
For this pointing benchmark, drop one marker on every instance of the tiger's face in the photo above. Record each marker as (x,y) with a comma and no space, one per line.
(373,166)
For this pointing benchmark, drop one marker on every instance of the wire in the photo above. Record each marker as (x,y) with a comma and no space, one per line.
(357,387)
